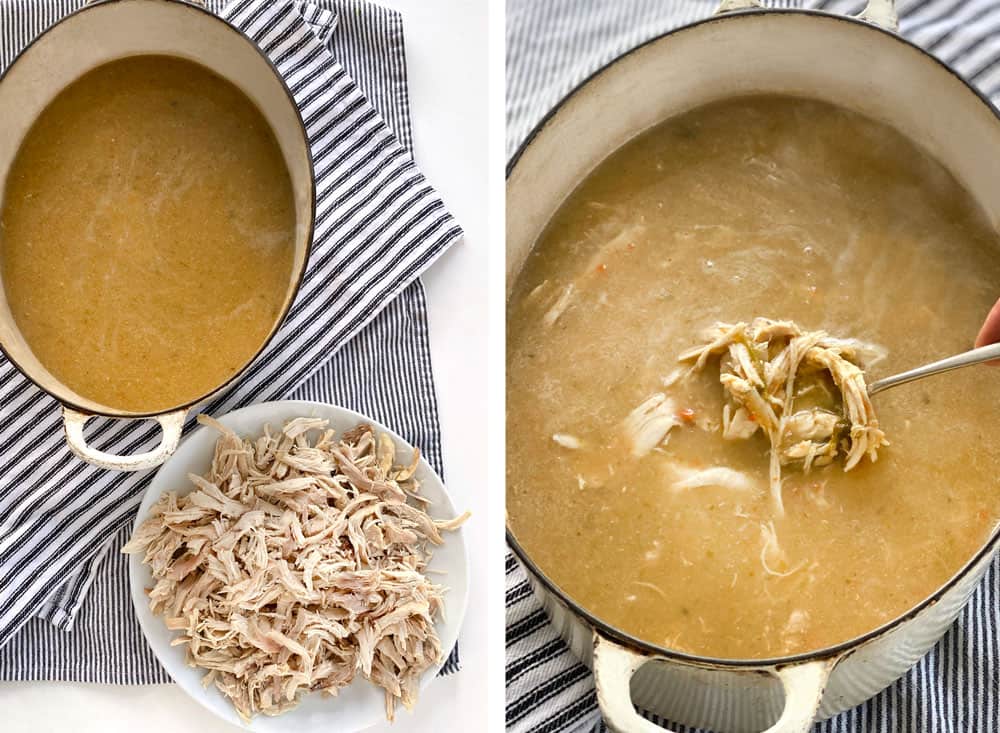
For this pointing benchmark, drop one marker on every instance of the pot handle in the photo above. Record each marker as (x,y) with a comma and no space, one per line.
(881,13)
(731,6)
(878,12)
(614,666)
(172,424)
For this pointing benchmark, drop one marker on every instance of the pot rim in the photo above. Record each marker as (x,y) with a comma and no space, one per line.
(720,18)
(279,320)
(988,548)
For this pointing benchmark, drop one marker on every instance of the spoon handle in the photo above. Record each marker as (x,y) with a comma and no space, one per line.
(968,358)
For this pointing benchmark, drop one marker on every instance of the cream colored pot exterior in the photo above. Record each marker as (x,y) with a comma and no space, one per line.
(749,697)
(851,63)
(114,29)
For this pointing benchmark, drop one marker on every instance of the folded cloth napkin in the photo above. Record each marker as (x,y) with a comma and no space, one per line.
(379,224)
(553,46)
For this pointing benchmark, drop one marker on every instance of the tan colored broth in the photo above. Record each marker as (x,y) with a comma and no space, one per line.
(147,233)
(762,206)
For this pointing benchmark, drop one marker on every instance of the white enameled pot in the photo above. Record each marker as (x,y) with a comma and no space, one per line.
(857,63)
(113,29)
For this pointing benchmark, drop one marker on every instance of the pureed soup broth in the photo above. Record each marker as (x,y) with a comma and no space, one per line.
(147,233)
(762,206)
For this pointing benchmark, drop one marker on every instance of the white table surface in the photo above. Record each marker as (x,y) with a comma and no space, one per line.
(446,46)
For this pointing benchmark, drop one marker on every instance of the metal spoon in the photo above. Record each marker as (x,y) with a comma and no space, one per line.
(976,356)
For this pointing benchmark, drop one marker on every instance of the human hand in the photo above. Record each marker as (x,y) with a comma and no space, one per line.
(990,332)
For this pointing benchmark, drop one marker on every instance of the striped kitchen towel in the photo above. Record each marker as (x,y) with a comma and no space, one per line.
(551,47)
(356,335)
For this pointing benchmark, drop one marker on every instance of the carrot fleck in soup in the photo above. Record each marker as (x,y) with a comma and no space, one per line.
(621,484)
(147,233)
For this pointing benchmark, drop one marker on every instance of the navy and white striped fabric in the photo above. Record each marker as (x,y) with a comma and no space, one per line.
(551,47)
(356,336)
(383,372)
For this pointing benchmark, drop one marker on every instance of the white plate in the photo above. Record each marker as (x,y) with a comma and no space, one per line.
(361,704)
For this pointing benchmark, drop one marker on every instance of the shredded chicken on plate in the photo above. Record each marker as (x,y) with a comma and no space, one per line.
(804,389)
(297,563)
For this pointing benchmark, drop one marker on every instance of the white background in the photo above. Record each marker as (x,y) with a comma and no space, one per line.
(446,50)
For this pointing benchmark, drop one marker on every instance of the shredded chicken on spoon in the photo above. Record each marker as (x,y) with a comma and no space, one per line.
(804,389)
(296,564)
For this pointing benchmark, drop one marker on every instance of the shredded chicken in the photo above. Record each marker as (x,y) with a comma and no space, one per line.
(297,562)
(721,476)
(557,308)
(794,632)
(771,553)
(773,376)
(649,424)
(567,441)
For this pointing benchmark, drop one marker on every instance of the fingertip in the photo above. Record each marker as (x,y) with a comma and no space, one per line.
(990,332)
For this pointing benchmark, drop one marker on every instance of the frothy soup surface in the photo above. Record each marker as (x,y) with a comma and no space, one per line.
(773,207)
(147,233)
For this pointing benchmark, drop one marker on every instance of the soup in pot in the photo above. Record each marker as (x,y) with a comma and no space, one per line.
(147,233)
(760,207)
